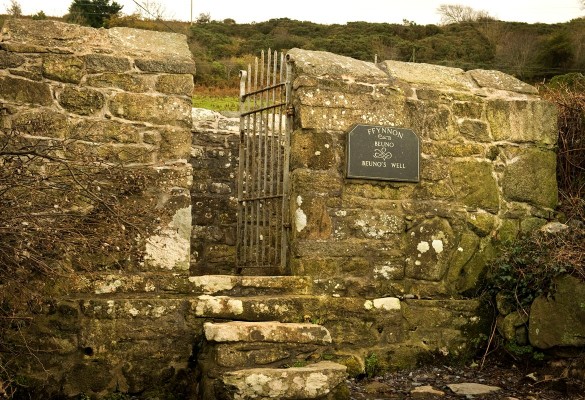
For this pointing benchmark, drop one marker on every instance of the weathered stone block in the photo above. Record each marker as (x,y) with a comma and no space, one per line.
(154,109)
(320,63)
(175,84)
(169,247)
(106,63)
(429,75)
(42,122)
(508,230)
(10,60)
(104,131)
(559,320)
(310,382)
(429,247)
(430,120)
(32,72)
(468,109)
(61,68)
(501,81)
(175,143)
(474,130)
(469,276)
(312,219)
(475,185)
(25,91)
(128,82)
(169,66)
(365,110)
(327,267)
(523,121)
(315,150)
(271,332)
(316,183)
(369,192)
(466,248)
(81,101)
(392,269)
(482,224)
(377,224)
(530,176)
(125,153)
(345,248)
(513,327)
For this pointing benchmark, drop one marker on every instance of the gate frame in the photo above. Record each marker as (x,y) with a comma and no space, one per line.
(252,194)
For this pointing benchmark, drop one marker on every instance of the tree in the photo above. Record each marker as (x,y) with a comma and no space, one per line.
(152,10)
(14,9)
(39,16)
(94,13)
(204,18)
(456,13)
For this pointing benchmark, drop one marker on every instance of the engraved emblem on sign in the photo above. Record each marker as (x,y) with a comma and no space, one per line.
(382,153)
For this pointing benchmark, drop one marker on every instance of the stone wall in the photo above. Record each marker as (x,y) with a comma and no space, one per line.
(121,94)
(214,157)
(387,268)
(122,99)
(487,172)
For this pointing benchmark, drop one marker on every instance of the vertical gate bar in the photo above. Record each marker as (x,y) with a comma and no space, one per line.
(273,237)
(276,153)
(265,227)
(253,165)
(280,158)
(247,168)
(258,157)
(241,155)
(285,167)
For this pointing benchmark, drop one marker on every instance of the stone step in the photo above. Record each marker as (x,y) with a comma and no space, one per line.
(237,344)
(323,380)
(287,308)
(161,283)
(270,331)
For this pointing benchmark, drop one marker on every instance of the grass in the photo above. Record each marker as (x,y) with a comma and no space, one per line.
(216,99)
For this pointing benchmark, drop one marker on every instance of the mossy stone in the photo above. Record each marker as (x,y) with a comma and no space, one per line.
(475,185)
(532,177)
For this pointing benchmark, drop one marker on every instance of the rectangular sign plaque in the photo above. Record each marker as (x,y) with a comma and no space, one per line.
(385,153)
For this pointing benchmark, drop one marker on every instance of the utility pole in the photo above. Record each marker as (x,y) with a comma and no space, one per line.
(191,12)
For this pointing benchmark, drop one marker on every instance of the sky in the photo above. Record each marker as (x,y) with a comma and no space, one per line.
(421,12)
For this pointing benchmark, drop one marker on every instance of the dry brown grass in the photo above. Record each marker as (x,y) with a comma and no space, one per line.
(570,100)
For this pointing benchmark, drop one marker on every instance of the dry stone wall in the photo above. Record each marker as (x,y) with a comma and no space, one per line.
(123,95)
(386,267)
(487,173)
(214,157)
(122,99)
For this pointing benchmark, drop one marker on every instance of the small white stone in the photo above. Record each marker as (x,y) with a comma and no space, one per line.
(387,303)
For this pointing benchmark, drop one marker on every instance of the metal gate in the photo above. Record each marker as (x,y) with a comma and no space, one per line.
(265,126)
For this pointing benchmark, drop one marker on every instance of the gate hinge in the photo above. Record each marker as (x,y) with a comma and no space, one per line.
(290,111)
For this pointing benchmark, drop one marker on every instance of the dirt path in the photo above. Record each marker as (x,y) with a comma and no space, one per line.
(531,382)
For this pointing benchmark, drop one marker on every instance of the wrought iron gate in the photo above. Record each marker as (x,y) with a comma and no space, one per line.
(265,126)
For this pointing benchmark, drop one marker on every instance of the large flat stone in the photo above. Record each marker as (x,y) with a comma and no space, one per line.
(273,332)
(427,74)
(310,382)
(257,285)
(559,320)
